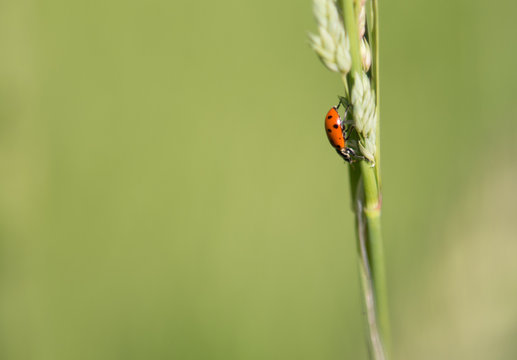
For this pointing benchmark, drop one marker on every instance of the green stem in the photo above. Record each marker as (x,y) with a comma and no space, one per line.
(353,34)
(365,189)
(375,81)
(375,251)
(375,340)
(374,216)
(365,195)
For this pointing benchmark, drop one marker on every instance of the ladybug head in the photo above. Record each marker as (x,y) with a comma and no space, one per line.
(347,154)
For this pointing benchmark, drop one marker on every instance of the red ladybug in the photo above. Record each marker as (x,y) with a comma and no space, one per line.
(335,129)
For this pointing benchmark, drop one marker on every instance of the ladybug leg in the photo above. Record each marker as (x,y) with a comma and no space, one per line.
(342,101)
(345,121)
(346,110)
(352,156)
(360,157)
(349,132)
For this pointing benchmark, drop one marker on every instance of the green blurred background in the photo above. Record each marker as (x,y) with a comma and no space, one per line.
(167,190)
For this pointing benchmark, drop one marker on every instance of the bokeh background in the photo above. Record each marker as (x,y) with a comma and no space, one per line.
(167,190)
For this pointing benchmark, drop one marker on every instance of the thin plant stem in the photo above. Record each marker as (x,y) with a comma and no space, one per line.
(365,190)
(374,11)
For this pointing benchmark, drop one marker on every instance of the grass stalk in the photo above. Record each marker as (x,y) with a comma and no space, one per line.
(365,190)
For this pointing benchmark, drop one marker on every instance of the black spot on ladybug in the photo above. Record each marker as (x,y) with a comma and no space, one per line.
(335,126)
(329,117)
(329,130)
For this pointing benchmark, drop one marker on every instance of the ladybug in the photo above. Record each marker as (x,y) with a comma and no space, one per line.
(336,133)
